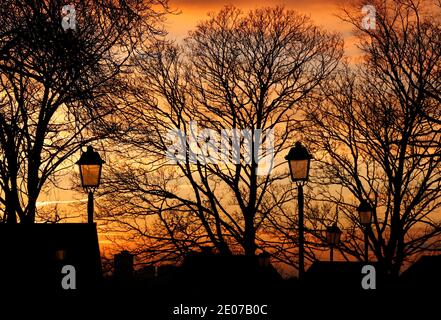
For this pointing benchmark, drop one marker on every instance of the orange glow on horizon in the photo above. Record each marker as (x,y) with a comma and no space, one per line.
(322,12)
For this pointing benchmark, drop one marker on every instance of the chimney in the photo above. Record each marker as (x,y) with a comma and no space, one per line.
(123,264)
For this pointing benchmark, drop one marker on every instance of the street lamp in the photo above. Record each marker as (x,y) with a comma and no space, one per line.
(333,234)
(365,211)
(299,161)
(90,164)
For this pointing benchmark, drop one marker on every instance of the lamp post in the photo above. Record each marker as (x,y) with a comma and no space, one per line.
(333,234)
(365,211)
(299,161)
(90,164)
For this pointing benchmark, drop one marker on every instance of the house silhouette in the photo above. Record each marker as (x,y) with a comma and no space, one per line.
(423,274)
(340,276)
(32,257)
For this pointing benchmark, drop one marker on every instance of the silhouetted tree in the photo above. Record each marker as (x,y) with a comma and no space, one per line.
(376,135)
(59,85)
(234,71)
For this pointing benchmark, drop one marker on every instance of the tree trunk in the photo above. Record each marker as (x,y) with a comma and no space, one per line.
(10,212)
(249,243)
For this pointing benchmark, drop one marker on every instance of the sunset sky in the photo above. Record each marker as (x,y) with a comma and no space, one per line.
(322,12)
(191,153)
